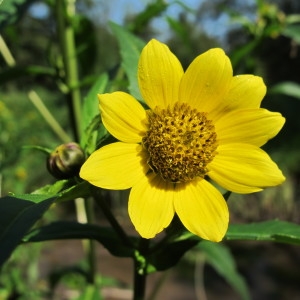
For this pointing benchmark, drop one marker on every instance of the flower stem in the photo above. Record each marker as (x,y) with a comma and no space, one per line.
(140,270)
(139,284)
(91,245)
(65,11)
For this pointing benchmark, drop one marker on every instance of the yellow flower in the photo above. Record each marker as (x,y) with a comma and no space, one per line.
(203,124)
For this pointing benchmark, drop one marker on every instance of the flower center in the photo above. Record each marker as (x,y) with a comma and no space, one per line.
(180,141)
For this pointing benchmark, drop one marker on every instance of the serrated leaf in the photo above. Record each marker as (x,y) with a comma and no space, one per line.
(274,230)
(287,88)
(17,215)
(221,259)
(130,49)
(52,189)
(80,190)
(65,190)
(72,230)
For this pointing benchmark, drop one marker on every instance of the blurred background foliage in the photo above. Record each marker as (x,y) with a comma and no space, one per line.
(261,38)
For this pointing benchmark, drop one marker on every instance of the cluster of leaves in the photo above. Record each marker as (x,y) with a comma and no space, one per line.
(20,213)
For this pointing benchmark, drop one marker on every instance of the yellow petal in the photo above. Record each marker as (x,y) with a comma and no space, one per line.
(206,80)
(150,205)
(159,75)
(246,91)
(202,210)
(116,166)
(244,168)
(251,126)
(123,116)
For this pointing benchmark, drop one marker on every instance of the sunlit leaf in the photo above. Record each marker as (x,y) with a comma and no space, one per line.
(65,190)
(221,259)
(17,215)
(52,189)
(91,120)
(274,230)
(91,104)
(287,88)
(130,48)
(80,190)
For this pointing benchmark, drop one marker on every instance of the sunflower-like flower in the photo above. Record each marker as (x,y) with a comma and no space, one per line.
(203,125)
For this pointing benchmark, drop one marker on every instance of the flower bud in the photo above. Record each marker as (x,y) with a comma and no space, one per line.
(65,161)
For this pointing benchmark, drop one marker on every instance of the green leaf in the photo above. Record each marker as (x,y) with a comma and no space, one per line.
(91,292)
(274,230)
(72,230)
(167,255)
(80,190)
(287,88)
(52,189)
(221,259)
(90,104)
(151,11)
(17,215)
(12,10)
(293,32)
(92,127)
(65,190)
(130,48)
(241,54)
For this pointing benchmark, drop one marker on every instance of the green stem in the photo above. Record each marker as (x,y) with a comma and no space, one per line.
(91,246)
(48,117)
(65,11)
(140,271)
(139,284)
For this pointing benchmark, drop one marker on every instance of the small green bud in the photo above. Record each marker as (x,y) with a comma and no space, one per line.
(65,161)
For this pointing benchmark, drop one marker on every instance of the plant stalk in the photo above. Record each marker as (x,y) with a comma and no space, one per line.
(140,271)
(65,11)
(91,244)
(139,283)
